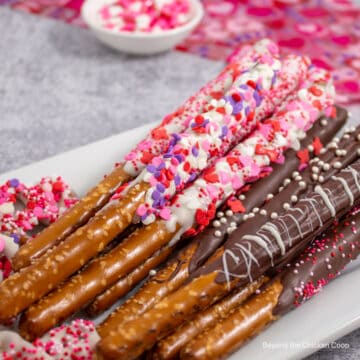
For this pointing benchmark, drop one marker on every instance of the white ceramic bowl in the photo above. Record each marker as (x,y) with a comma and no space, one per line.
(138,42)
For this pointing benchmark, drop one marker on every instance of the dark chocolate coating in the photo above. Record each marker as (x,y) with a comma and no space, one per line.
(323,260)
(244,259)
(255,197)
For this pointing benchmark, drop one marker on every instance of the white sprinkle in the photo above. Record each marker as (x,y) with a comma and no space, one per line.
(152,272)
(223,220)
(216,223)
(302,184)
(269,196)
(337,165)
(311,148)
(323,122)
(321,179)
(217,233)
(286,182)
(286,206)
(314,177)
(242,197)
(315,169)
(229,213)
(255,210)
(263,212)
(298,178)
(274,215)
(294,198)
(220,214)
(326,167)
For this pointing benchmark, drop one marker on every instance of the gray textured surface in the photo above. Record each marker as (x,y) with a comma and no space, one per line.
(60,88)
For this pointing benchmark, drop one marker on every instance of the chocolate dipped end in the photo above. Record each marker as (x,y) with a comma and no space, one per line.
(247,257)
(214,235)
(321,262)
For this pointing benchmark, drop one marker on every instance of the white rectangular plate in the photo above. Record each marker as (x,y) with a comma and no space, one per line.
(330,315)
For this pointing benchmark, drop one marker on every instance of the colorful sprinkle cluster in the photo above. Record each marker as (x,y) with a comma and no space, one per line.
(325,258)
(254,96)
(246,161)
(75,341)
(157,142)
(145,15)
(23,208)
(48,199)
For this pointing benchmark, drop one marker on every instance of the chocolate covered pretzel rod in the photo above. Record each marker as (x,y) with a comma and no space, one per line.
(178,270)
(320,263)
(290,192)
(154,144)
(240,261)
(205,194)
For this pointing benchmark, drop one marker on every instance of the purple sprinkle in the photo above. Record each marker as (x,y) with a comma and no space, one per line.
(160,187)
(155,203)
(257,98)
(151,168)
(143,217)
(273,79)
(16,238)
(167,156)
(243,86)
(230,99)
(195,151)
(161,166)
(237,108)
(155,195)
(177,180)
(192,177)
(247,110)
(179,158)
(176,137)
(157,174)
(14,183)
(224,130)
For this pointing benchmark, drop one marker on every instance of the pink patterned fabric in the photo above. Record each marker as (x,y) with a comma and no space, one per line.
(326,30)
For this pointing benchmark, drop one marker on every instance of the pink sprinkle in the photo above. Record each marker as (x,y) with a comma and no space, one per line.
(165,214)
(141,211)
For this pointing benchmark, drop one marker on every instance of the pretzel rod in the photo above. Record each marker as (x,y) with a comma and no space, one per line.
(127,283)
(154,144)
(156,288)
(205,194)
(169,347)
(320,263)
(240,262)
(289,193)
(28,285)
(168,279)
